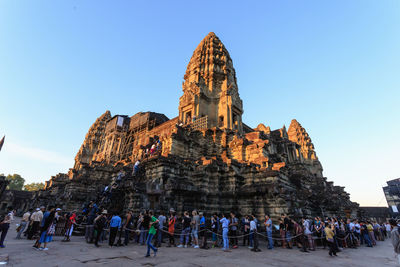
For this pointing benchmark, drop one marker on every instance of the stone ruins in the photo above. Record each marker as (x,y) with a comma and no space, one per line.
(206,158)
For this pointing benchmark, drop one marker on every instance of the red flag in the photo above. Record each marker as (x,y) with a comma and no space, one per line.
(2,142)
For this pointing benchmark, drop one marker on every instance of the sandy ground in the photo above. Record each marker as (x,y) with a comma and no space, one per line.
(79,253)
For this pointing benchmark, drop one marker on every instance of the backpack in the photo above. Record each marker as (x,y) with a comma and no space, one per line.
(100,222)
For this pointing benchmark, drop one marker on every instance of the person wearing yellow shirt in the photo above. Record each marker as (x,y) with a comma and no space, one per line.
(329,233)
(371,233)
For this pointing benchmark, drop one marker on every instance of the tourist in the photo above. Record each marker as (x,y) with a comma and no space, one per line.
(317,229)
(100,223)
(297,232)
(282,232)
(153,222)
(162,220)
(120,175)
(23,223)
(323,235)
(92,210)
(268,229)
(388,228)
(36,219)
(71,221)
(371,233)
(47,229)
(195,229)
(5,225)
(254,234)
(128,227)
(202,231)
(115,225)
(288,229)
(329,232)
(234,222)
(171,227)
(214,229)
(364,233)
(143,227)
(29,224)
(225,228)
(246,230)
(357,231)
(308,234)
(186,221)
(302,238)
(136,167)
(395,237)
(152,149)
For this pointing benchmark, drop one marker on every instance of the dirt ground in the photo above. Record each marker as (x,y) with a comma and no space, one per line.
(79,253)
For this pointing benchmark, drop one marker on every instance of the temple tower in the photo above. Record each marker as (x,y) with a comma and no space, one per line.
(210,89)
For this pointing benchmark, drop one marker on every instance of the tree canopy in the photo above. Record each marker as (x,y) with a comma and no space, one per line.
(16,182)
(34,186)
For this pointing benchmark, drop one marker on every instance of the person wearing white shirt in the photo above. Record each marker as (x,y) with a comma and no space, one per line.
(253,234)
(308,234)
(24,222)
(4,225)
(225,225)
(388,229)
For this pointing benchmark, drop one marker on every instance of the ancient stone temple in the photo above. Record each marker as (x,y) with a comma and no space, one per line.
(205,158)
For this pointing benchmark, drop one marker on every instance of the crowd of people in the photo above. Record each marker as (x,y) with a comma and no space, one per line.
(196,230)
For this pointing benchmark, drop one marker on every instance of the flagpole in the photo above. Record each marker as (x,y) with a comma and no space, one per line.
(2,142)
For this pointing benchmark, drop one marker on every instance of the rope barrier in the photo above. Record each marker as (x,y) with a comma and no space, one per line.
(138,231)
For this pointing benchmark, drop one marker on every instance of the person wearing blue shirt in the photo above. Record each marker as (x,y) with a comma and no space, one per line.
(225,225)
(202,231)
(268,225)
(115,224)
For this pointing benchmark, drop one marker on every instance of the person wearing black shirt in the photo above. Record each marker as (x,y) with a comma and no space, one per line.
(288,228)
(282,232)
(185,229)
(100,223)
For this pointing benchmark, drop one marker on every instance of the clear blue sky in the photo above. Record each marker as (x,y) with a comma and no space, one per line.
(332,65)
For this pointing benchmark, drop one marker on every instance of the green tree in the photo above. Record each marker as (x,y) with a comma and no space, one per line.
(16,182)
(33,186)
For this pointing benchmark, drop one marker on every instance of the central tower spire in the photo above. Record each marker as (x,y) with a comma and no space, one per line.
(210,88)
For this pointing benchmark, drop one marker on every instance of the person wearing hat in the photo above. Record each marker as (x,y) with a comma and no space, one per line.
(36,218)
(57,213)
(99,224)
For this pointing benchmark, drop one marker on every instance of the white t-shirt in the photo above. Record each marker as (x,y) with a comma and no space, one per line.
(351,225)
(388,227)
(357,226)
(306,225)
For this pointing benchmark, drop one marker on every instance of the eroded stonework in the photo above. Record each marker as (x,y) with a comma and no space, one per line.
(206,158)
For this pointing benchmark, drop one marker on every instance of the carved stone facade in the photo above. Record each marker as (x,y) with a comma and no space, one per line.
(214,163)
